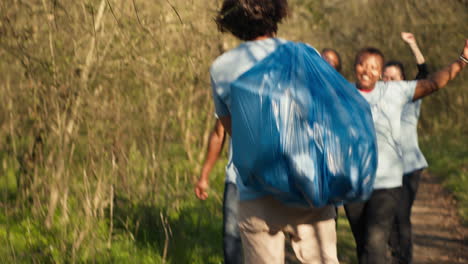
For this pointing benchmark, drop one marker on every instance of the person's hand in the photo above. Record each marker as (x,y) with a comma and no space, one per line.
(201,189)
(408,37)
(465,50)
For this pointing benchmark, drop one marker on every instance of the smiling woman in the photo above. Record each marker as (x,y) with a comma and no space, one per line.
(372,221)
(368,66)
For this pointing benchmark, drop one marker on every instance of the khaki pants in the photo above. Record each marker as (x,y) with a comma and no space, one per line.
(264,222)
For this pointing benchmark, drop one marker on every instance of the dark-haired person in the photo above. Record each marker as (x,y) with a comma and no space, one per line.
(232,247)
(413,159)
(372,221)
(332,57)
(263,220)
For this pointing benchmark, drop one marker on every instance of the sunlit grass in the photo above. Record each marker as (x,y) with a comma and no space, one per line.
(447,155)
(105,111)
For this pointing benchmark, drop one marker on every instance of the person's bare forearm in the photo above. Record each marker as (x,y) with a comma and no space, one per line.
(417,53)
(409,38)
(215,145)
(440,78)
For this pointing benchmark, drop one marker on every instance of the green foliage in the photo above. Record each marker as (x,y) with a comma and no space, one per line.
(105,110)
(8,171)
(29,242)
(138,235)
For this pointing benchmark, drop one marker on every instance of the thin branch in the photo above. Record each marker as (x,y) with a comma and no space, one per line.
(183,36)
(175,11)
(89,57)
(138,17)
(113,14)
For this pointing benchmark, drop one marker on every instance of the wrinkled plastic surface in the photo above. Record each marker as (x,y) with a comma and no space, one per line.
(301,132)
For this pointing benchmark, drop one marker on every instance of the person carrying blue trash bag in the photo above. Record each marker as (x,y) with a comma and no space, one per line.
(302,136)
(300,131)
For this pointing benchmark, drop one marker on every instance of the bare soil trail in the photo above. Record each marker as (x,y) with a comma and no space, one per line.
(438,234)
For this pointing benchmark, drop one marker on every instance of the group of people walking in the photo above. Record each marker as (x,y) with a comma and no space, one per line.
(255,225)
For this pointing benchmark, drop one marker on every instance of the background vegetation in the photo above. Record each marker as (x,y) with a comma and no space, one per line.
(105,109)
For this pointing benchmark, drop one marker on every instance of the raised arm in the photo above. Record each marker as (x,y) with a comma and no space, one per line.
(215,145)
(420,61)
(411,41)
(440,78)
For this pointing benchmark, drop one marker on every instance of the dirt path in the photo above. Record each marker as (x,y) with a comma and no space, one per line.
(438,235)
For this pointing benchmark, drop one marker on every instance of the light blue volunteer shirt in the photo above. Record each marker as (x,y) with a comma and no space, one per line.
(387,101)
(231,172)
(225,70)
(413,158)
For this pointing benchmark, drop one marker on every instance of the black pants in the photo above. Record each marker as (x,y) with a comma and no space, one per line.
(400,238)
(232,245)
(371,223)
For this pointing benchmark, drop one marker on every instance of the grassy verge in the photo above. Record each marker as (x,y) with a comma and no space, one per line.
(447,155)
(137,233)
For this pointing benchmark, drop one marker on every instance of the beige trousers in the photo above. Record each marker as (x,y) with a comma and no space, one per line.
(264,222)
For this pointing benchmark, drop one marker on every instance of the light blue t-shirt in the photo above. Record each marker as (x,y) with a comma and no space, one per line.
(231,173)
(413,158)
(387,101)
(225,70)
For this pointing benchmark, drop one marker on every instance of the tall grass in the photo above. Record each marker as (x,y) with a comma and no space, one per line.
(105,111)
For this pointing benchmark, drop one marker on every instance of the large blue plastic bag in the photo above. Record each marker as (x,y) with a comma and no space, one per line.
(301,132)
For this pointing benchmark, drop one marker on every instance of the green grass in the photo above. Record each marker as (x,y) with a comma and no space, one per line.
(110,156)
(346,245)
(447,155)
(194,234)
(191,232)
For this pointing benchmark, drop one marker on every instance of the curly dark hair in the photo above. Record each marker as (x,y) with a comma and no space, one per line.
(249,19)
